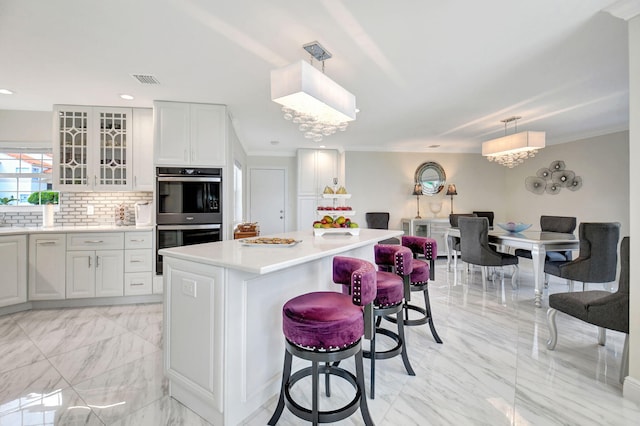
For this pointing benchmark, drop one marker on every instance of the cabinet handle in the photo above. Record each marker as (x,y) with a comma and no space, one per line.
(94,241)
(137,241)
(185,155)
(135,261)
(135,181)
(47,243)
(89,257)
(132,284)
(95,180)
(97,261)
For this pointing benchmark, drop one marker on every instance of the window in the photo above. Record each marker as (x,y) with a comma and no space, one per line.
(24,171)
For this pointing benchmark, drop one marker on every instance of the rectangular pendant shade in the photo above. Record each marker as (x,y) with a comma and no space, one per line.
(305,89)
(511,144)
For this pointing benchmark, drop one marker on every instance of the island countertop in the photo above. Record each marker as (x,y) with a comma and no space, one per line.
(263,259)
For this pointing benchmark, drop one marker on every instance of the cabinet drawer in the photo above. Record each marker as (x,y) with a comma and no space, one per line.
(137,260)
(138,240)
(95,241)
(136,283)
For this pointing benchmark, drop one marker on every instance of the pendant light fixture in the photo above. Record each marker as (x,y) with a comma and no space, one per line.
(317,104)
(513,149)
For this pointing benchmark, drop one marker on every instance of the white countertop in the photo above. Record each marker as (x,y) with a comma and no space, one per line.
(13,230)
(262,259)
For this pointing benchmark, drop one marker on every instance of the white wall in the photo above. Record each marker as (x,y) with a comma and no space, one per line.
(603,164)
(25,126)
(384,181)
(632,384)
(381,181)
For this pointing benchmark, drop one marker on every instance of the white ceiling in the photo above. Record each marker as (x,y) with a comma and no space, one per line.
(424,72)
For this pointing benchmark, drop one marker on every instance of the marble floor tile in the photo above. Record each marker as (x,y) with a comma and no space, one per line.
(103,365)
(95,359)
(120,392)
(24,385)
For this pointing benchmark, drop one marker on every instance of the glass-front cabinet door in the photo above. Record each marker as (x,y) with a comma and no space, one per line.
(72,153)
(113,148)
(93,148)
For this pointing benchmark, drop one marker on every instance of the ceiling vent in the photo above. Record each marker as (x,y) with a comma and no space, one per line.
(145,79)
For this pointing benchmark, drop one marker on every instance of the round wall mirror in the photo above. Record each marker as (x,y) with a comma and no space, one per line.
(431,176)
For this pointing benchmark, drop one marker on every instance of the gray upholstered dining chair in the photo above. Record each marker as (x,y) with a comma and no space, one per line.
(454,242)
(601,308)
(598,258)
(475,248)
(489,215)
(380,220)
(564,224)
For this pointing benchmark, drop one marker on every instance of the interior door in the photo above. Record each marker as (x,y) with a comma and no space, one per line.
(267,199)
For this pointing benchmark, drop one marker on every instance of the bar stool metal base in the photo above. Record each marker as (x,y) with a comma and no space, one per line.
(425,316)
(314,415)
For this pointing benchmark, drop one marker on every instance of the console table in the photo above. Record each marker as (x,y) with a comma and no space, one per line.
(429,227)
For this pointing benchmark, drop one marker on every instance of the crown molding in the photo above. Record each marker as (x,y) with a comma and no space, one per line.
(624,9)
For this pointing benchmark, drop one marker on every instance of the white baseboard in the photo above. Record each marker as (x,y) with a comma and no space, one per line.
(631,389)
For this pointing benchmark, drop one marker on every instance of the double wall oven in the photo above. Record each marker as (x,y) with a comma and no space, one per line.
(188,207)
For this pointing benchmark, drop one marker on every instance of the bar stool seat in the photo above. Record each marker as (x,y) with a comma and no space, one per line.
(421,273)
(325,328)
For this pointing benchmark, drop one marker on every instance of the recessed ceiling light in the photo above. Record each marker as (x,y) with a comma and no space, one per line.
(127,97)
(322,146)
(6,92)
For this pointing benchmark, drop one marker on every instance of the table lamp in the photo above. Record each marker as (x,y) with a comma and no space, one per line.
(417,191)
(451,190)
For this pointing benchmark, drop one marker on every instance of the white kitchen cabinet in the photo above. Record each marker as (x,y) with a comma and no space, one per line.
(142,146)
(95,265)
(138,263)
(316,169)
(46,271)
(13,264)
(187,134)
(92,148)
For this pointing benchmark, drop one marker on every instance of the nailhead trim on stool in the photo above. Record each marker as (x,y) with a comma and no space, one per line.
(392,289)
(420,276)
(327,327)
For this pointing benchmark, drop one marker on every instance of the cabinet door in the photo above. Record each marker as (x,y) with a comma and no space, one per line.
(112,149)
(307,172)
(80,280)
(142,147)
(13,264)
(327,168)
(208,135)
(72,148)
(46,266)
(109,273)
(171,133)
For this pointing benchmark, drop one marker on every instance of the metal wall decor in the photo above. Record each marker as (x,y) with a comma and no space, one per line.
(552,179)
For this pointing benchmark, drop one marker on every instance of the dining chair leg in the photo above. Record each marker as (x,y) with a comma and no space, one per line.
(514,277)
(602,336)
(484,277)
(553,331)
(624,361)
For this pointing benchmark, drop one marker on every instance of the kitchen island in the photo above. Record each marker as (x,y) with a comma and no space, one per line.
(222,315)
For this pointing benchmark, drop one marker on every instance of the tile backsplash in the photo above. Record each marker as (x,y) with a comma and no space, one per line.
(74,207)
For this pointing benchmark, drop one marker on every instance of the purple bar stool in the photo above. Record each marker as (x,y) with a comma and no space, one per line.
(327,327)
(393,286)
(420,275)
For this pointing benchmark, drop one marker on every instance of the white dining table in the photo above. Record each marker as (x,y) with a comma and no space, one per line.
(538,242)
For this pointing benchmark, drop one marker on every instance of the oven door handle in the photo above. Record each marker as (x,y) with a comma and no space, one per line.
(188,179)
(180,227)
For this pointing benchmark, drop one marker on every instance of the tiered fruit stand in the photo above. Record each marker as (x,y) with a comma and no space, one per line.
(337,209)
